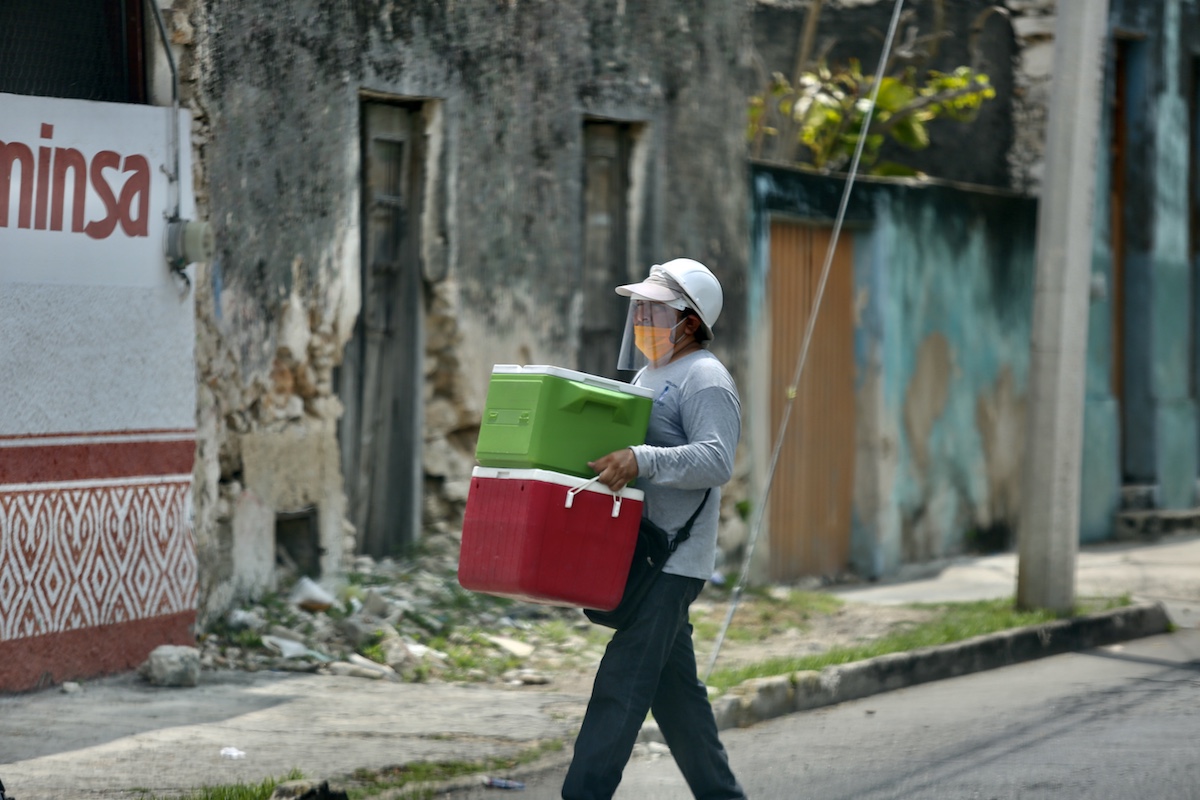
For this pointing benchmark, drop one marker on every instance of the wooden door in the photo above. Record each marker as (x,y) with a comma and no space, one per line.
(380,380)
(811,498)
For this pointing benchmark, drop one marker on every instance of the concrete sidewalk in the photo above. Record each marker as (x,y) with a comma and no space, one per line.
(1167,572)
(119,737)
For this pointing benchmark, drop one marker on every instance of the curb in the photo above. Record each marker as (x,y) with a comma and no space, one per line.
(761,699)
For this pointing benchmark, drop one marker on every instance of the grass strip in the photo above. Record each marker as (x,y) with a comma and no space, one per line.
(954,623)
(421,775)
(237,791)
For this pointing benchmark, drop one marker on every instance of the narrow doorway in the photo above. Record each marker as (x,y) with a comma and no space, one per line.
(811,499)
(607,148)
(380,381)
(1118,169)
(1193,200)
(1131,293)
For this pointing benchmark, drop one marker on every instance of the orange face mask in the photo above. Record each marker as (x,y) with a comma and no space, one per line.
(655,343)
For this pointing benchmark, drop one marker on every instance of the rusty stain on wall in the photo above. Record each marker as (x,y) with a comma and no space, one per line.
(1000,418)
(925,398)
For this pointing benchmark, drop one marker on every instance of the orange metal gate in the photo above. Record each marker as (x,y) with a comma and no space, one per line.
(811,498)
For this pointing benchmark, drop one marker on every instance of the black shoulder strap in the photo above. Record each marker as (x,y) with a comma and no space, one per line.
(686,530)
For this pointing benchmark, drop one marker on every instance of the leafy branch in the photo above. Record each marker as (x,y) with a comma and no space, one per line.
(816,118)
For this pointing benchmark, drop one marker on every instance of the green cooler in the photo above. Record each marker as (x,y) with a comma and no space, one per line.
(541,417)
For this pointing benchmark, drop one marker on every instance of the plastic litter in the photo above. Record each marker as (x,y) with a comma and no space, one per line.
(311,597)
(503,783)
(232,752)
(420,651)
(285,647)
(240,618)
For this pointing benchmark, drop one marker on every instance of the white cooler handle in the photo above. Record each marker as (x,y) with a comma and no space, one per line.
(616,512)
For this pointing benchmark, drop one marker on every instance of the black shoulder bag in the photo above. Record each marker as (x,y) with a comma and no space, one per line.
(654,546)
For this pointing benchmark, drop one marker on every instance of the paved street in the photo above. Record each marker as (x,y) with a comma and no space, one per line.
(1112,724)
(1091,725)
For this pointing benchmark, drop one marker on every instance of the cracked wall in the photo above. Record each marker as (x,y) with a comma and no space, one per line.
(958,306)
(276,92)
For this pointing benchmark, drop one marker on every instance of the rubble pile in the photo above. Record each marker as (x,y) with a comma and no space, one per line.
(401,620)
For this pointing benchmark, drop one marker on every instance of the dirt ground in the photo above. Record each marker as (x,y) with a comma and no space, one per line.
(797,634)
(782,624)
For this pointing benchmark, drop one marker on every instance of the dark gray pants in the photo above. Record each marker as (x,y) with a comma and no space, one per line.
(651,666)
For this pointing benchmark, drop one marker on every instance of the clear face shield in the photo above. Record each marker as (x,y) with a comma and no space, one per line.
(651,332)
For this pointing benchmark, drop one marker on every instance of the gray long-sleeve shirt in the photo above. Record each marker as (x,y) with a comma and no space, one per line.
(695,424)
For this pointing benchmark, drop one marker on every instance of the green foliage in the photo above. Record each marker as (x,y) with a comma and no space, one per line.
(822,114)
(555,631)
(468,651)
(363,579)
(373,649)
(247,639)
(809,604)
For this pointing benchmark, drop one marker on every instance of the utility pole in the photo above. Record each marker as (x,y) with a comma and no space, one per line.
(1048,533)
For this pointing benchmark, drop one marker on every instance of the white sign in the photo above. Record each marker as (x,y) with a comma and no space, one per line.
(96,333)
(84,191)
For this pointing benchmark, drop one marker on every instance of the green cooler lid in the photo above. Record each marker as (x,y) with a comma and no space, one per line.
(573,375)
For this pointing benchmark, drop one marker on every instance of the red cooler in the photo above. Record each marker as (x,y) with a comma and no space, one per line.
(546,537)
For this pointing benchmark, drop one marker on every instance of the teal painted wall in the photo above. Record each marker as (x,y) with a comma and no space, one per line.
(1172,294)
(1100,479)
(944,281)
(1157,414)
(957,307)
(943,286)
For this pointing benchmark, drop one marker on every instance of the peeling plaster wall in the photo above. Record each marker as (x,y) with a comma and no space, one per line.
(1173,294)
(958,312)
(1033,26)
(277,94)
(1149,436)
(944,287)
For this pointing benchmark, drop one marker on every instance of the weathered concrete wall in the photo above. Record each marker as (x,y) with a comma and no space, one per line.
(960,268)
(1173,296)
(1033,26)
(944,288)
(278,95)
(1145,431)
(1100,479)
(854,30)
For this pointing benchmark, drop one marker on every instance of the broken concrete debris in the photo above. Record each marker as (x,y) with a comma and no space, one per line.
(172,665)
(396,621)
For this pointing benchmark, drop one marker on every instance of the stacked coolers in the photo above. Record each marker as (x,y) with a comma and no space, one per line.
(537,526)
